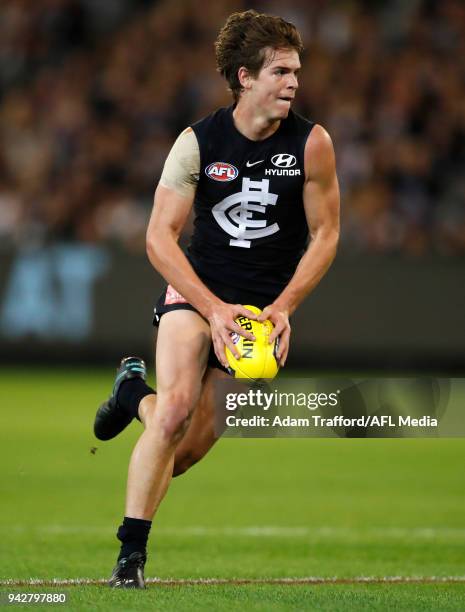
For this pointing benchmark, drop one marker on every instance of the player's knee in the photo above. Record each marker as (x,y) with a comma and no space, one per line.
(174,426)
(173,414)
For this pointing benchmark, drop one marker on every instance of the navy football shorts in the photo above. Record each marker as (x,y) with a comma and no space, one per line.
(170,300)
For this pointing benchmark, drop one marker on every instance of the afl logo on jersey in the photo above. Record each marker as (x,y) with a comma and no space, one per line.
(221,171)
(283,160)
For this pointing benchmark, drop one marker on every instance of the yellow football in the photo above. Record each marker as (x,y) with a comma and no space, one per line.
(258,358)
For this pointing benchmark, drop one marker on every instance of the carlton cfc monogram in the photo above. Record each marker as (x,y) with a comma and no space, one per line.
(235,213)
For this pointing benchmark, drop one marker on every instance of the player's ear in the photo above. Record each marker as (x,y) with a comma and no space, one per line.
(244,77)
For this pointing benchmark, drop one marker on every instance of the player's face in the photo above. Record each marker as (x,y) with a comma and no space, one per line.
(276,84)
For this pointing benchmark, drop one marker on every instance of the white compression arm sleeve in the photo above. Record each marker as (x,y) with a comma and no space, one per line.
(182,166)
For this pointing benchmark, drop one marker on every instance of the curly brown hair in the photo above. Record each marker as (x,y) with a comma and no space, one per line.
(243,41)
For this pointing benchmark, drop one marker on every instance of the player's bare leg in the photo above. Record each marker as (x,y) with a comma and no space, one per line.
(182,351)
(139,400)
(200,435)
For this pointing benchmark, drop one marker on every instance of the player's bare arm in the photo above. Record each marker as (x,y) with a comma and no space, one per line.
(321,203)
(169,215)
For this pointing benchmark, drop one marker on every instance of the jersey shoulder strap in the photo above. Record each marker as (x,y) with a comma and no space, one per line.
(209,128)
(299,128)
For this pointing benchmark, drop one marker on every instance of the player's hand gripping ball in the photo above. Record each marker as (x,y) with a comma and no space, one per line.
(258,359)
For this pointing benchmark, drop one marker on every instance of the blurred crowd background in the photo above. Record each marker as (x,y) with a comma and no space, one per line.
(93,94)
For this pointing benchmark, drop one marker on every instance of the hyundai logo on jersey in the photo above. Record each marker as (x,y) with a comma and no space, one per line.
(283,160)
(221,171)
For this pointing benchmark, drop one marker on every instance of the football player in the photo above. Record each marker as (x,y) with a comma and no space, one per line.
(261,180)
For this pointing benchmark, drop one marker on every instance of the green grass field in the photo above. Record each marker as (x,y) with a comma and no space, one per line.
(252,509)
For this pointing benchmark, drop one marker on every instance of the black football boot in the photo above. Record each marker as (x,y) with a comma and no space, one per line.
(129,572)
(111,419)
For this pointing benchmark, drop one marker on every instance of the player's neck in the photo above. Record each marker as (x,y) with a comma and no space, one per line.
(252,124)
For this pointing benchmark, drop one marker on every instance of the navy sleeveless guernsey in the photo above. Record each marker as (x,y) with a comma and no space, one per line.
(250,229)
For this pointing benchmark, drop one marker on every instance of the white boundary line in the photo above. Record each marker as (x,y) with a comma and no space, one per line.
(255,531)
(308,580)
